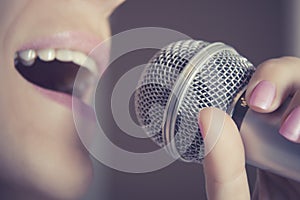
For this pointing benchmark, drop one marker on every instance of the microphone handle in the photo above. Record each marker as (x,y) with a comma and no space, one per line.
(265,148)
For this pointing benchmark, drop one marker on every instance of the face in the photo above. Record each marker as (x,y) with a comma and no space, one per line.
(42,45)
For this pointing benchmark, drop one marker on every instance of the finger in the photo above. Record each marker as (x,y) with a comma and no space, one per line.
(290,126)
(272,82)
(224,166)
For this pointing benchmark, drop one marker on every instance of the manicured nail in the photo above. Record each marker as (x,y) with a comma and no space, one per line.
(263,95)
(291,126)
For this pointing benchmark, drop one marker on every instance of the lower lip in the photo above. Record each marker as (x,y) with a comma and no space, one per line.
(67,101)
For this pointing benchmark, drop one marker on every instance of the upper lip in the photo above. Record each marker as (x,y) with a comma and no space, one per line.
(84,42)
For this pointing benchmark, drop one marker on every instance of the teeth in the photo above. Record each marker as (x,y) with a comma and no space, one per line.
(79,58)
(90,64)
(28,57)
(64,55)
(85,61)
(46,54)
(27,63)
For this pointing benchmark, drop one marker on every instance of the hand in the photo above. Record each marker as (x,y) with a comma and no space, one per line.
(224,166)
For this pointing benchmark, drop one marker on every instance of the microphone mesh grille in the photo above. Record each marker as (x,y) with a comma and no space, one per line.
(157,81)
(215,84)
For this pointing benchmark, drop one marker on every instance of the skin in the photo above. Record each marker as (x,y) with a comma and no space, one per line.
(41,155)
(229,181)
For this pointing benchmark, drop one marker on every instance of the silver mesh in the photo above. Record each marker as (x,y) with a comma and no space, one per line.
(215,83)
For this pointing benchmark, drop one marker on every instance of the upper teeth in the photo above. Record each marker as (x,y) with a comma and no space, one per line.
(28,57)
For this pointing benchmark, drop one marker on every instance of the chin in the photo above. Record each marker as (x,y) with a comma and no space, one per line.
(57,164)
(44,156)
(69,179)
(52,172)
(59,173)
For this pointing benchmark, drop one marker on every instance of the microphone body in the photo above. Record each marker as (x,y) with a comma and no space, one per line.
(187,76)
(265,148)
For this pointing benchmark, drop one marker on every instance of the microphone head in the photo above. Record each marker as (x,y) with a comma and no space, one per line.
(179,81)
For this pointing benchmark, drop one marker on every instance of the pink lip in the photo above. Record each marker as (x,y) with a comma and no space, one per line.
(59,97)
(67,100)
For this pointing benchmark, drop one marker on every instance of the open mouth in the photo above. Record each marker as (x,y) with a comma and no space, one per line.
(56,70)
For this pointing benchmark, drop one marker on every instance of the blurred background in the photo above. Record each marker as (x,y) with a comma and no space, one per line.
(258,29)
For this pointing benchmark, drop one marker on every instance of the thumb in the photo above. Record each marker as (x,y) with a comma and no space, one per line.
(224,165)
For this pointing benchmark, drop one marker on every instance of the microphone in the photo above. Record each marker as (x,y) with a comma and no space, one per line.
(187,76)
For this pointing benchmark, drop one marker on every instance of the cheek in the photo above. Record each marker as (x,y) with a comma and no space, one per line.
(40,137)
(9,12)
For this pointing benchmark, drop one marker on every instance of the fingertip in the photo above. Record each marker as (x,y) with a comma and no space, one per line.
(261,98)
(290,128)
(271,84)
(211,122)
(226,157)
(224,164)
(203,120)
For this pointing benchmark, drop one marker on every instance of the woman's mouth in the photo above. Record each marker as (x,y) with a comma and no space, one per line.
(56,69)
(53,70)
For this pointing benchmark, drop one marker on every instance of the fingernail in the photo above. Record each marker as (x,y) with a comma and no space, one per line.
(263,95)
(291,126)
